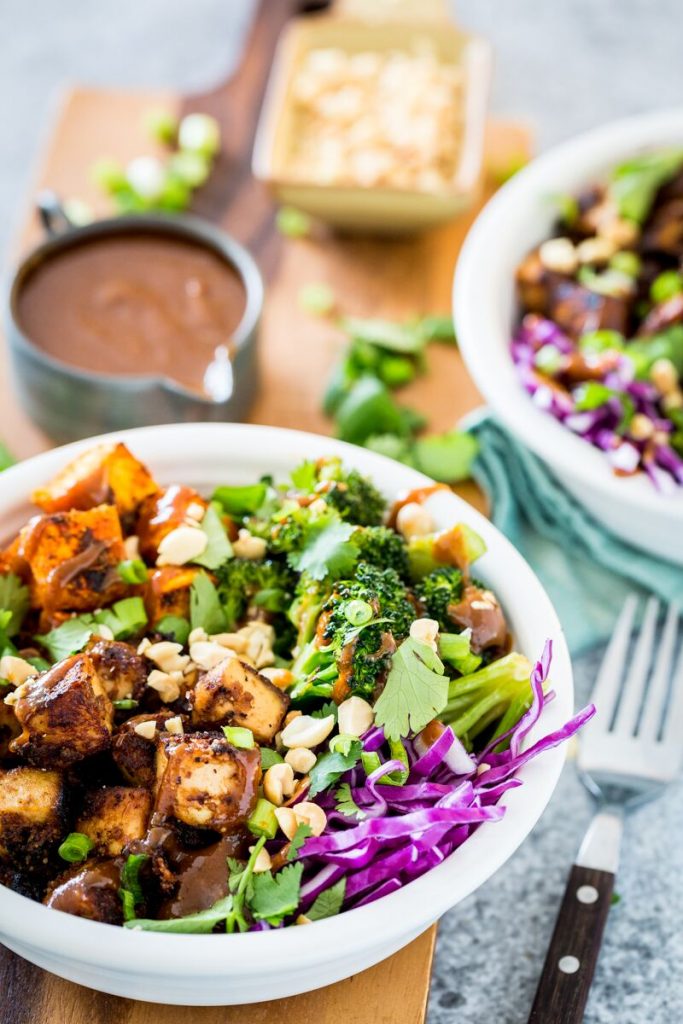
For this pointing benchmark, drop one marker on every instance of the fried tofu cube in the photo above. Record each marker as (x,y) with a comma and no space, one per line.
(234,693)
(168,592)
(9,726)
(89,890)
(120,669)
(73,559)
(163,512)
(113,817)
(105,475)
(65,715)
(205,782)
(133,752)
(32,819)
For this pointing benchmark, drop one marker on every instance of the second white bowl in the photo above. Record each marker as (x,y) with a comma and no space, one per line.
(513,222)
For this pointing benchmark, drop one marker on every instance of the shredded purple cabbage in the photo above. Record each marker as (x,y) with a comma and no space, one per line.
(402,831)
(602,426)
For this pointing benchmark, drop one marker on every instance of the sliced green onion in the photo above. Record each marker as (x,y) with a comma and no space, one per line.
(199,133)
(133,570)
(262,821)
(161,125)
(357,612)
(342,743)
(239,737)
(626,262)
(396,371)
(601,341)
(125,704)
(548,360)
(75,847)
(317,298)
(175,627)
(292,222)
(665,286)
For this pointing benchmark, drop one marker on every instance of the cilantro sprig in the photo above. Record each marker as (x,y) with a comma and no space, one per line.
(416,690)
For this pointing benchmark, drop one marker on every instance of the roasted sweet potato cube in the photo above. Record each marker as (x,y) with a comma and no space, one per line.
(113,817)
(233,693)
(133,753)
(89,890)
(73,558)
(168,592)
(32,819)
(65,715)
(205,782)
(120,668)
(161,513)
(105,475)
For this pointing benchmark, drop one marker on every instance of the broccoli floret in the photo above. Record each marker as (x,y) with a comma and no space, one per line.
(309,597)
(243,582)
(437,591)
(382,547)
(353,495)
(362,649)
(356,499)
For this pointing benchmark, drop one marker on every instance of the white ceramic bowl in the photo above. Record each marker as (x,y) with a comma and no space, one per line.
(216,970)
(513,222)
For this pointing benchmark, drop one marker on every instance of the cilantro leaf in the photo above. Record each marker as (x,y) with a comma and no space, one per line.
(346,805)
(327,709)
(276,896)
(14,598)
(124,618)
(218,549)
(328,768)
(416,690)
(304,477)
(303,831)
(368,409)
(205,608)
(200,923)
(69,638)
(328,903)
(327,550)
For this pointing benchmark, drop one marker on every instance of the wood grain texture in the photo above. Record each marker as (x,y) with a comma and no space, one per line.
(393,992)
(563,987)
(369,277)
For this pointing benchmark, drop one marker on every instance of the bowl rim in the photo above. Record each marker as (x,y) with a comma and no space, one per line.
(476,298)
(184,226)
(405,912)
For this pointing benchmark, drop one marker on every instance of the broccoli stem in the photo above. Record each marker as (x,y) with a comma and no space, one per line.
(495,693)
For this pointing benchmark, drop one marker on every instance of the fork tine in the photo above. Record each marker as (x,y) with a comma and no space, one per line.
(636,679)
(673,723)
(608,682)
(659,681)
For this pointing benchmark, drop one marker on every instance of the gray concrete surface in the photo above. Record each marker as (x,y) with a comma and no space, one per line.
(565,65)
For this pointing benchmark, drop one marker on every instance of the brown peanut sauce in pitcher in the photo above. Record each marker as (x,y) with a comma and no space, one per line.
(134,303)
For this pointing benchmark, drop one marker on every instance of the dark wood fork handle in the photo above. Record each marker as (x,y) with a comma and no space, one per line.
(573,952)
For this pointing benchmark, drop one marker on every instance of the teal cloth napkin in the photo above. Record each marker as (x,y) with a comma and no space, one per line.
(586,570)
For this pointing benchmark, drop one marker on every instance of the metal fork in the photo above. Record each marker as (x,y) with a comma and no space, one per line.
(628,753)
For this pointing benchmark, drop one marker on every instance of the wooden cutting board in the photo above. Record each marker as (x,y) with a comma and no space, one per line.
(392,278)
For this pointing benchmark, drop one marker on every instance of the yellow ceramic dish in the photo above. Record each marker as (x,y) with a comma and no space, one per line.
(385,209)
